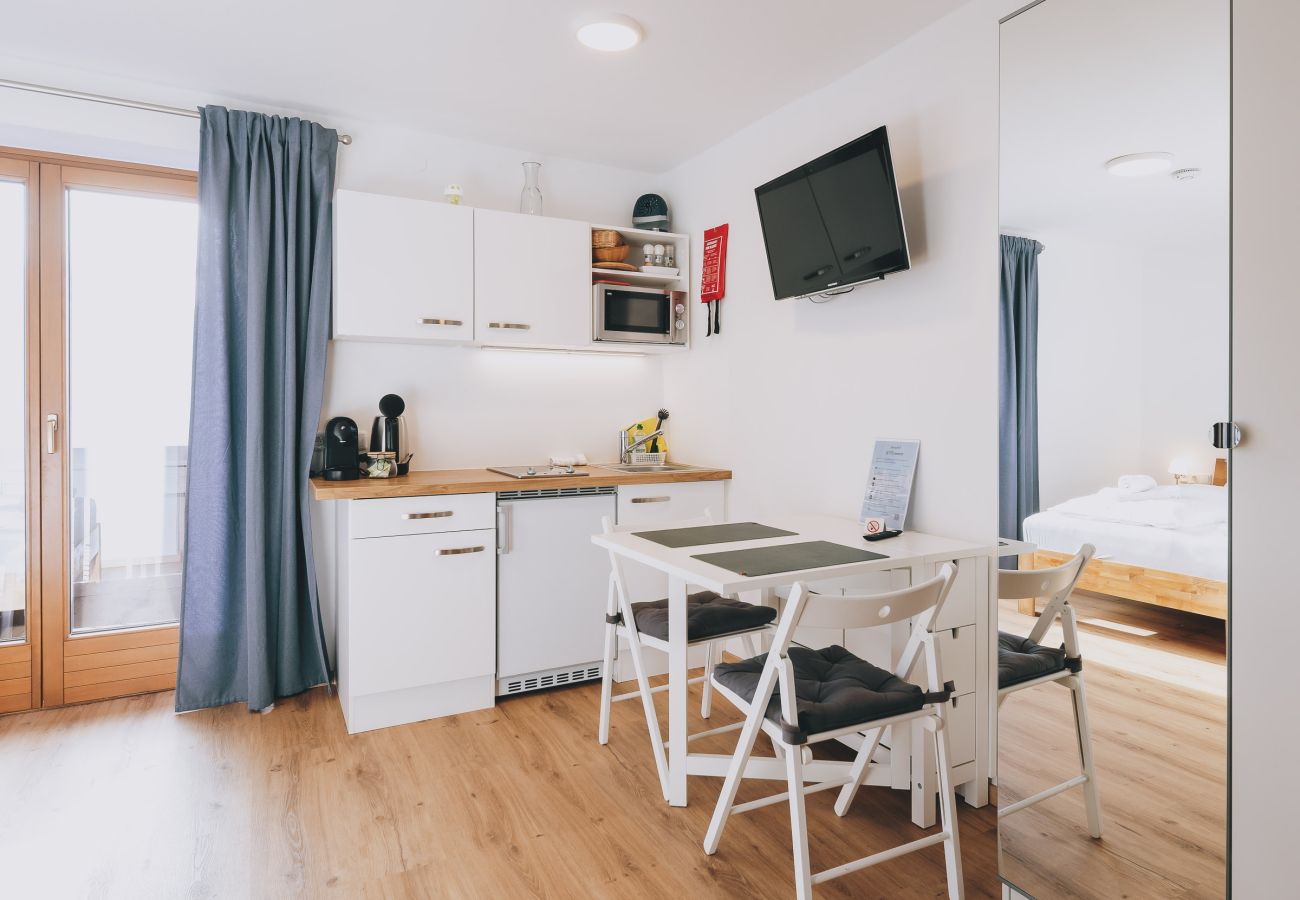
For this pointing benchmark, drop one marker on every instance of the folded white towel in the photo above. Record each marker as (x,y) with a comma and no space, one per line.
(1135,484)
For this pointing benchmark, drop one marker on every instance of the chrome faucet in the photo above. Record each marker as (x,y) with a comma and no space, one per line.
(626,445)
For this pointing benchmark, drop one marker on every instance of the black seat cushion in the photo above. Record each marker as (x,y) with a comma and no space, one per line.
(833,688)
(707,615)
(1020,659)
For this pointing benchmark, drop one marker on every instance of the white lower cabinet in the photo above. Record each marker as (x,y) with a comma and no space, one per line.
(417,615)
(652,505)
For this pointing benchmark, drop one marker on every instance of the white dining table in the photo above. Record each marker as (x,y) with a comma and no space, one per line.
(913,552)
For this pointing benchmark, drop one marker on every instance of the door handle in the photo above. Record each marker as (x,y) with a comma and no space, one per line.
(441,514)
(1225,435)
(503,530)
(51,429)
(516,325)
(651,499)
(456,551)
(440,321)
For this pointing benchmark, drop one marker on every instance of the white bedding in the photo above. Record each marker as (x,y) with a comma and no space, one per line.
(1180,529)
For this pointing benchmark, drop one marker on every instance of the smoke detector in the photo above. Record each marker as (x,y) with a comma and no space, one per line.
(1185,174)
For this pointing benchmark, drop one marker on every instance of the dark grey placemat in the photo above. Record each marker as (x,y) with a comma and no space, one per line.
(786,558)
(699,535)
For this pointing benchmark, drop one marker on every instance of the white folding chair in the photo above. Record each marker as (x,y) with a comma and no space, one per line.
(645,624)
(1024,663)
(823,695)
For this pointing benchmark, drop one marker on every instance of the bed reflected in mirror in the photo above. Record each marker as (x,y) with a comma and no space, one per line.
(1112,717)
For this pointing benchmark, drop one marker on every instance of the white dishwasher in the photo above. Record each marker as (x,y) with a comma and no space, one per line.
(552,585)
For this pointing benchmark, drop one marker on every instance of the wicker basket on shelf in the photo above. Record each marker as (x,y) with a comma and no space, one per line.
(610,254)
(604,238)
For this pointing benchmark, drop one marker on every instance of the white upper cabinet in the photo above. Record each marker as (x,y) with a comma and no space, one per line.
(532,280)
(404,269)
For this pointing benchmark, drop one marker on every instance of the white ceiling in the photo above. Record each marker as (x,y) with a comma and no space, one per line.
(1085,82)
(507,72)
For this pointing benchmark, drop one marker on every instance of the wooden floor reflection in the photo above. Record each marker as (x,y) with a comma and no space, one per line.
(1157,696)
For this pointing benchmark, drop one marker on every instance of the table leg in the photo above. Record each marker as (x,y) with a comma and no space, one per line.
(677,692)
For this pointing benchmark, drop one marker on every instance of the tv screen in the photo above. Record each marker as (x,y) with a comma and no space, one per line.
(834,222)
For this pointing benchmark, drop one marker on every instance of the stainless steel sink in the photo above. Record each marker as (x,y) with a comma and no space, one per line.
(637,469)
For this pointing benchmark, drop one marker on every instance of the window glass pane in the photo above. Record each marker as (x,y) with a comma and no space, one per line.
(130,314)
(13,411)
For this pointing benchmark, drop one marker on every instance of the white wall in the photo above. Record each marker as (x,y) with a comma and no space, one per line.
(1089,365)
(1185,343)
(791,395)
(468,407)
(1264,720)
(1133,359)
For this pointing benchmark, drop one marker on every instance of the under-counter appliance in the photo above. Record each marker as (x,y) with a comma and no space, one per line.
(624,314)
(552,585)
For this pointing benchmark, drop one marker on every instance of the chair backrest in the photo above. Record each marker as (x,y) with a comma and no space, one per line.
(1056,584)
(925,600)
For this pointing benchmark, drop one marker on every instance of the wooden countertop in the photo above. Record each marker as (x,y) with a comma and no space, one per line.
(481,481)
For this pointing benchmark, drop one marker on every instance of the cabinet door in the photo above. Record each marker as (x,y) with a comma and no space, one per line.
(661,504)
(404,269)
(532,280)
(422,610)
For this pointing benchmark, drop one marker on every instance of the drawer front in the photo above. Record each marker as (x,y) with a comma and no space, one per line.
(420,515)
(650,504)
(422,610)
(961,730)
(957,657)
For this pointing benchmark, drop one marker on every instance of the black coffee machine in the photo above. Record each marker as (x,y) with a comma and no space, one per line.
(342,454)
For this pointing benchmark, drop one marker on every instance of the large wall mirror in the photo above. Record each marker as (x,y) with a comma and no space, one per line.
(1112,718)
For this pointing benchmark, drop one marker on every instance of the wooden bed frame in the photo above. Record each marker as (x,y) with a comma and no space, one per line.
(1168,589)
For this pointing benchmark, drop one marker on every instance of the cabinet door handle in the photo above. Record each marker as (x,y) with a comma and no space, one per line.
(456,551)
(516,325)
(441,514)
(440,321)
(651,499)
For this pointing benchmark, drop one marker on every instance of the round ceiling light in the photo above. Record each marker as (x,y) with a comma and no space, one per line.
(610,33)
(1135,164)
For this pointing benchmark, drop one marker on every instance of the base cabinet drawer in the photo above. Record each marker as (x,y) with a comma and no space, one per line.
(421,610)
(957,657)
(961,730)
(421,515)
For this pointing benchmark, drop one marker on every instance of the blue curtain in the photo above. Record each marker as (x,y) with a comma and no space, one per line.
(250,616)
(1018,385)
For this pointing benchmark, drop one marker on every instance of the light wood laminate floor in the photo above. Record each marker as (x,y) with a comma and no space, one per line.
(125,799)
(1157,688)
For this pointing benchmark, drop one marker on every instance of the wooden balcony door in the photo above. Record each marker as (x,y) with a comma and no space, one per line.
(97,264)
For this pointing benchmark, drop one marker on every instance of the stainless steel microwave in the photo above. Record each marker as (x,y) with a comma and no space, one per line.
(625,314)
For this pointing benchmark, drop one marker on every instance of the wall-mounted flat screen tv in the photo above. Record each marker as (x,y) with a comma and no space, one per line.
(834,222)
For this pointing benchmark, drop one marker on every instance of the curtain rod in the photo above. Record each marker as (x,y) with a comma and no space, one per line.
(344,139)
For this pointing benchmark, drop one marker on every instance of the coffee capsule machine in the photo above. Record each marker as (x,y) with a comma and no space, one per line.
(388,433)
(342,455)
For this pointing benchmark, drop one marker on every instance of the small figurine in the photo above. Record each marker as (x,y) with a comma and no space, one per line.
(453,193)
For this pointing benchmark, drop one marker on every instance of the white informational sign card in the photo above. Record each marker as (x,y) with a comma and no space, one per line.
(889,486)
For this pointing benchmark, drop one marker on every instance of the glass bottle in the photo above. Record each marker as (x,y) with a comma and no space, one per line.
(530,199)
